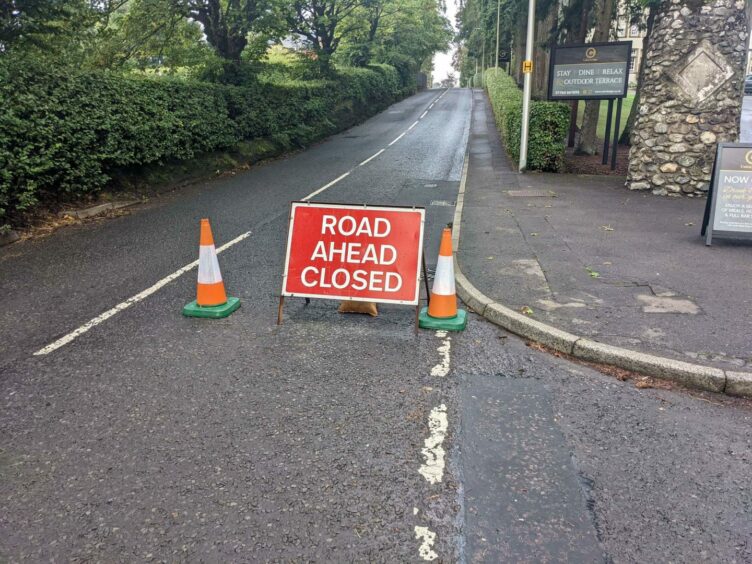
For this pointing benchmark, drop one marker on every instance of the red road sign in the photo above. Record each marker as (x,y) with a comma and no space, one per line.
(363,253)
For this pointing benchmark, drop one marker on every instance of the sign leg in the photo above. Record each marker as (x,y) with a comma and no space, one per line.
(279,311)
(425,279)
(417,318)
(607,136)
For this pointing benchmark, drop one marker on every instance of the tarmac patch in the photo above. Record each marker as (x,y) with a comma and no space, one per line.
(658,304)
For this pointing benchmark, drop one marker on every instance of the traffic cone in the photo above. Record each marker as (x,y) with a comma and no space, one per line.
(211,299)
(442,312)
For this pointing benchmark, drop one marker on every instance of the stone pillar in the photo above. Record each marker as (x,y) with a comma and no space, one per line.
(691,95)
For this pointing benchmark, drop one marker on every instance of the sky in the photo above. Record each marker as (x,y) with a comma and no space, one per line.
(442,62)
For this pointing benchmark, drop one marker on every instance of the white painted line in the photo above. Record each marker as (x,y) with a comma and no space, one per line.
(413,125)
(397,139)
(332,183)
(369,159)
(423,114)
(130,301)
(433,104)
(426,546)
(442,368)
(433,451)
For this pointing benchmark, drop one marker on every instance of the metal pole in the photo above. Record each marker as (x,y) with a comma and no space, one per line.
(607,136)
(526,86)
(498,16)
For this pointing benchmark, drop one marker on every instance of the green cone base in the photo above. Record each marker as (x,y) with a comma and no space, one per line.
(456,323)
(211,312)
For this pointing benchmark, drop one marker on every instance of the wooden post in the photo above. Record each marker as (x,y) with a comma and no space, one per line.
(279,311)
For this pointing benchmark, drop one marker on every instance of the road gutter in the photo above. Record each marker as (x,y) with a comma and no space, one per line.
(685,373)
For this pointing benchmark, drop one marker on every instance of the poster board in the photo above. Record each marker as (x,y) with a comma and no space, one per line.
(728,210)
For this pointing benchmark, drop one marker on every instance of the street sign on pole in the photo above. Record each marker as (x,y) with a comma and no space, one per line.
(350,252)
(589,71)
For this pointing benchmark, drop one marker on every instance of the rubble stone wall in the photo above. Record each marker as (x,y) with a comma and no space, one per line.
(691,95)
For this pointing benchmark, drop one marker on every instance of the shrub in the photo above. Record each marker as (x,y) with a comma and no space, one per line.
(549,122)
(63,134)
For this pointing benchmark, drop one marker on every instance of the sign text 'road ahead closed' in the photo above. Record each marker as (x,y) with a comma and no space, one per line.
(354,252)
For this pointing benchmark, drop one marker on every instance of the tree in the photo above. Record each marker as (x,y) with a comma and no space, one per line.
(603,13)
(319,21)
(227,23)
(651,6)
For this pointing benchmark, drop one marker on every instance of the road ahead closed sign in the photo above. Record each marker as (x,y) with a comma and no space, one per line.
(359,253)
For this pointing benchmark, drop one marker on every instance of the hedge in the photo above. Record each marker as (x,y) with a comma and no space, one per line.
(64,134)
(549,123)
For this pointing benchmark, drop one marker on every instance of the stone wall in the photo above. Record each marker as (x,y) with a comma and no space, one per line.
(691,95)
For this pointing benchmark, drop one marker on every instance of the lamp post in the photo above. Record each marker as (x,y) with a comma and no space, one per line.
(498,15)
(526,86)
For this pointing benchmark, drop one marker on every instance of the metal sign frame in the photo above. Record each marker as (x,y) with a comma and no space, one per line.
(707,230)
(552,64)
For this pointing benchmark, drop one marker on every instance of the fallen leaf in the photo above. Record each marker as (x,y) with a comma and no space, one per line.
(533,234)
(526,310)
(607,228)
(690,224)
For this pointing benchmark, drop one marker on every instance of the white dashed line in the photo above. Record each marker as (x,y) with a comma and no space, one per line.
(397,139)
(426,546)
(130,301)
(442,368)
(369,159)
(423,114)
(326,187)
(433,451)
(413,125)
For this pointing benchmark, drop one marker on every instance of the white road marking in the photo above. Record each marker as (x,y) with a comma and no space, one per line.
(413,125)
(426,546)
(369,159)
(130,301)
(442,368)
(415,510)
(397,139)
(326,186)
(423,114)
(433,451)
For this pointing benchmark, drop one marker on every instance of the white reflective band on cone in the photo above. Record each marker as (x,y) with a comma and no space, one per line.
(443,282)
(208,266)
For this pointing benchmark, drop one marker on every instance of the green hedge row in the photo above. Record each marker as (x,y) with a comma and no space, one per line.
(63,134)
(549,123)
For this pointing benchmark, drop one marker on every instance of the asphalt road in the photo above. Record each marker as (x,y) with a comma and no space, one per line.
(153,437)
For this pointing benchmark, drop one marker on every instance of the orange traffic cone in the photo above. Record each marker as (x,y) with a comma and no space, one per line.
(211,299)
(442,312)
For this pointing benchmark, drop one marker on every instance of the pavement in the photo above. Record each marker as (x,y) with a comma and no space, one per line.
(587,256)
(148,436)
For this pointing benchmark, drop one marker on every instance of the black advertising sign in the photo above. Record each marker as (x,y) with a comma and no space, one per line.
(728,211)
(590,71)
